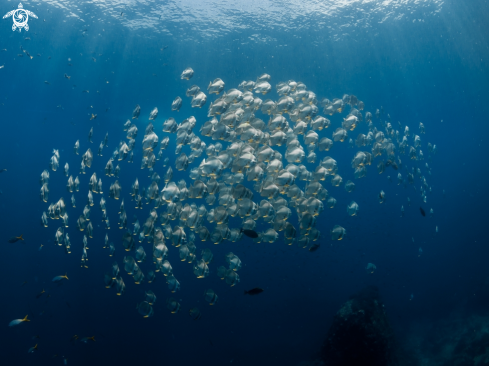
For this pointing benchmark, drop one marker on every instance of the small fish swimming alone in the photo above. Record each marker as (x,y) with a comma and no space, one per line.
(15,239)
(59,278)
(18,321)
(422,211)
(254,291)
(32,349)
(86,339)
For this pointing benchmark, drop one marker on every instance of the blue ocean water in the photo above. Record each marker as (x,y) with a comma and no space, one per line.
(422,61)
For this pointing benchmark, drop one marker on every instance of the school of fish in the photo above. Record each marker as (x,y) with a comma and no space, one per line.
(240,183)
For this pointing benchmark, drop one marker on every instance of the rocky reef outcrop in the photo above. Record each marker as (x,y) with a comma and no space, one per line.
(458,341)
(360,333)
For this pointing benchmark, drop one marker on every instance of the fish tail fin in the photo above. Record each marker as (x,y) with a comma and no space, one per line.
(92,338)
(25,319)
(210,83)
(20,237)
(66,275)
(35,347)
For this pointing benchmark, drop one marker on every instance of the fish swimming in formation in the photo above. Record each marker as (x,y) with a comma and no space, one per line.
(241,175)
(391,163)
(250,233)
(195,314)
(314,247)
(254,291)
(15,239)
(187,74)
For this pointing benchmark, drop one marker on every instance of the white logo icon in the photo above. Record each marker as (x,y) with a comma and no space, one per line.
(20,17)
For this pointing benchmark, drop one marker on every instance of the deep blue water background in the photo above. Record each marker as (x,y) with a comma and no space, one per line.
(434,72)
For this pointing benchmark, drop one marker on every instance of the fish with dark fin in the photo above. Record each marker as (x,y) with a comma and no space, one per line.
(314,247)
(15,239)
(254,291)
(422,211)
(250,233)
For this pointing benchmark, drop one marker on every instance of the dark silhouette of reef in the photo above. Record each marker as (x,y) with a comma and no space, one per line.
(461,340)
(360,333)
